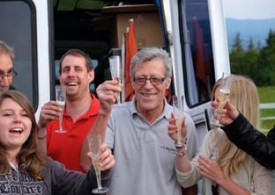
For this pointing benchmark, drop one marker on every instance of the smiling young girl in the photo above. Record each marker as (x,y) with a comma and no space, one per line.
(26,170)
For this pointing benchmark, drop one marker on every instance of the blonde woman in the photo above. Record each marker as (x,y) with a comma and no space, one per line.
(224,168)
(244,135)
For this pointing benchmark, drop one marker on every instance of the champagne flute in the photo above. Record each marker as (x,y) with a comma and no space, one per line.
(224,92)
(116,72)
(178,112)
(60,93)
(95,142)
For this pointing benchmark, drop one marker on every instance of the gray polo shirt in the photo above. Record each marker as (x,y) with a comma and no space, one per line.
(144,153)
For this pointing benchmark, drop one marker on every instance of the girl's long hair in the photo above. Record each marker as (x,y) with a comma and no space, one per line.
(244,96)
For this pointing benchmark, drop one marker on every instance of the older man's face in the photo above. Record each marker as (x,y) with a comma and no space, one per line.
(150,85)
(6,74)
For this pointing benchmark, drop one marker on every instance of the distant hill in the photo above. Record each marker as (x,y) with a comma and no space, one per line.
(255,29)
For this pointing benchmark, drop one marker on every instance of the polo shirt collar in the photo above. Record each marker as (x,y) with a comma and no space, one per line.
(93,110)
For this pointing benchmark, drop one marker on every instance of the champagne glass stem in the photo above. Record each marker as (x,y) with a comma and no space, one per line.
(118,79)
(99,181)
(119,98)
(97,171)
(179,136)
(61,121)
(179,121)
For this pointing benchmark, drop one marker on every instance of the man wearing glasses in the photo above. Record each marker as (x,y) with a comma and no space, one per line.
(137,132)
(6,67)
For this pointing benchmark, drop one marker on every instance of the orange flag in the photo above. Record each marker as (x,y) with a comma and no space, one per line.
(201,65)
(130,51)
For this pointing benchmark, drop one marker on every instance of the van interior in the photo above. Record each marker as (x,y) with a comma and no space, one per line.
(97,28)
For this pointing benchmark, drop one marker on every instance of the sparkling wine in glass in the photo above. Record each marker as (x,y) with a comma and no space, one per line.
(116,72)
(95,142)
(60,93)
(178,106)
(224,92)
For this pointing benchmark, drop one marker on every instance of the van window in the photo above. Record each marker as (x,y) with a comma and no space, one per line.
(18,18)
(196,39)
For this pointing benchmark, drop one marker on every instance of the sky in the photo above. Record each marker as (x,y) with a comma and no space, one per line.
(249,9)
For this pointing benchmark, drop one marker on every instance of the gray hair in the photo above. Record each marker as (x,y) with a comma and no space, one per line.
(148,54)
(5,49)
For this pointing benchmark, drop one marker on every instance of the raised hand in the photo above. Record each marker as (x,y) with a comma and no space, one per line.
(107,160)
(51,110)
(172,128)
(107,94)
(228,113)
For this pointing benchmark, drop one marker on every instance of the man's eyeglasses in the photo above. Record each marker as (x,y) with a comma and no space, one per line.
(10,74)
(154,81)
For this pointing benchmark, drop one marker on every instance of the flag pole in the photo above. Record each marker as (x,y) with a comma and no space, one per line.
(123,65)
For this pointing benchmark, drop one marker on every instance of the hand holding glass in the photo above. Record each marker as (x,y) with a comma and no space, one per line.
(178,112)
(95,142)
(116,71)
(60,93)
(224,92)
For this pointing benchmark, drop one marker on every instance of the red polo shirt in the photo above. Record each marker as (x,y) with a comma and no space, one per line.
(66,147)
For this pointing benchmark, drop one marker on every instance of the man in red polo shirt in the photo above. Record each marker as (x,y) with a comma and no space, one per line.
(80,112)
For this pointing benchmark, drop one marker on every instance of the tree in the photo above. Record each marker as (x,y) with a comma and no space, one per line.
(250,45)
(237,55)
(258,63)
(259,46)
(267,61)
(252,61)
(237,43)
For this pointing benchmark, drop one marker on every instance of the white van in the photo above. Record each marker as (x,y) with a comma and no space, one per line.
(192,31)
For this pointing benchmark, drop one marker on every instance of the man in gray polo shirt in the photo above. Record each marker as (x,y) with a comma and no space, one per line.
(137,132)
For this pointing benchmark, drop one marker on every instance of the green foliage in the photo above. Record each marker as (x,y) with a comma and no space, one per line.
(258,63)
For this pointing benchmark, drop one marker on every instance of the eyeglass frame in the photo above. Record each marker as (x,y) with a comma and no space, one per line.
(153,80)
(10,74)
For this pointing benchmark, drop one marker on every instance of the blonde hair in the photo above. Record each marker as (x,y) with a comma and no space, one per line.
(244,96)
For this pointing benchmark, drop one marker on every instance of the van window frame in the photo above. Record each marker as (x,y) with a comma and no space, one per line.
(194,97)
(32,93)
